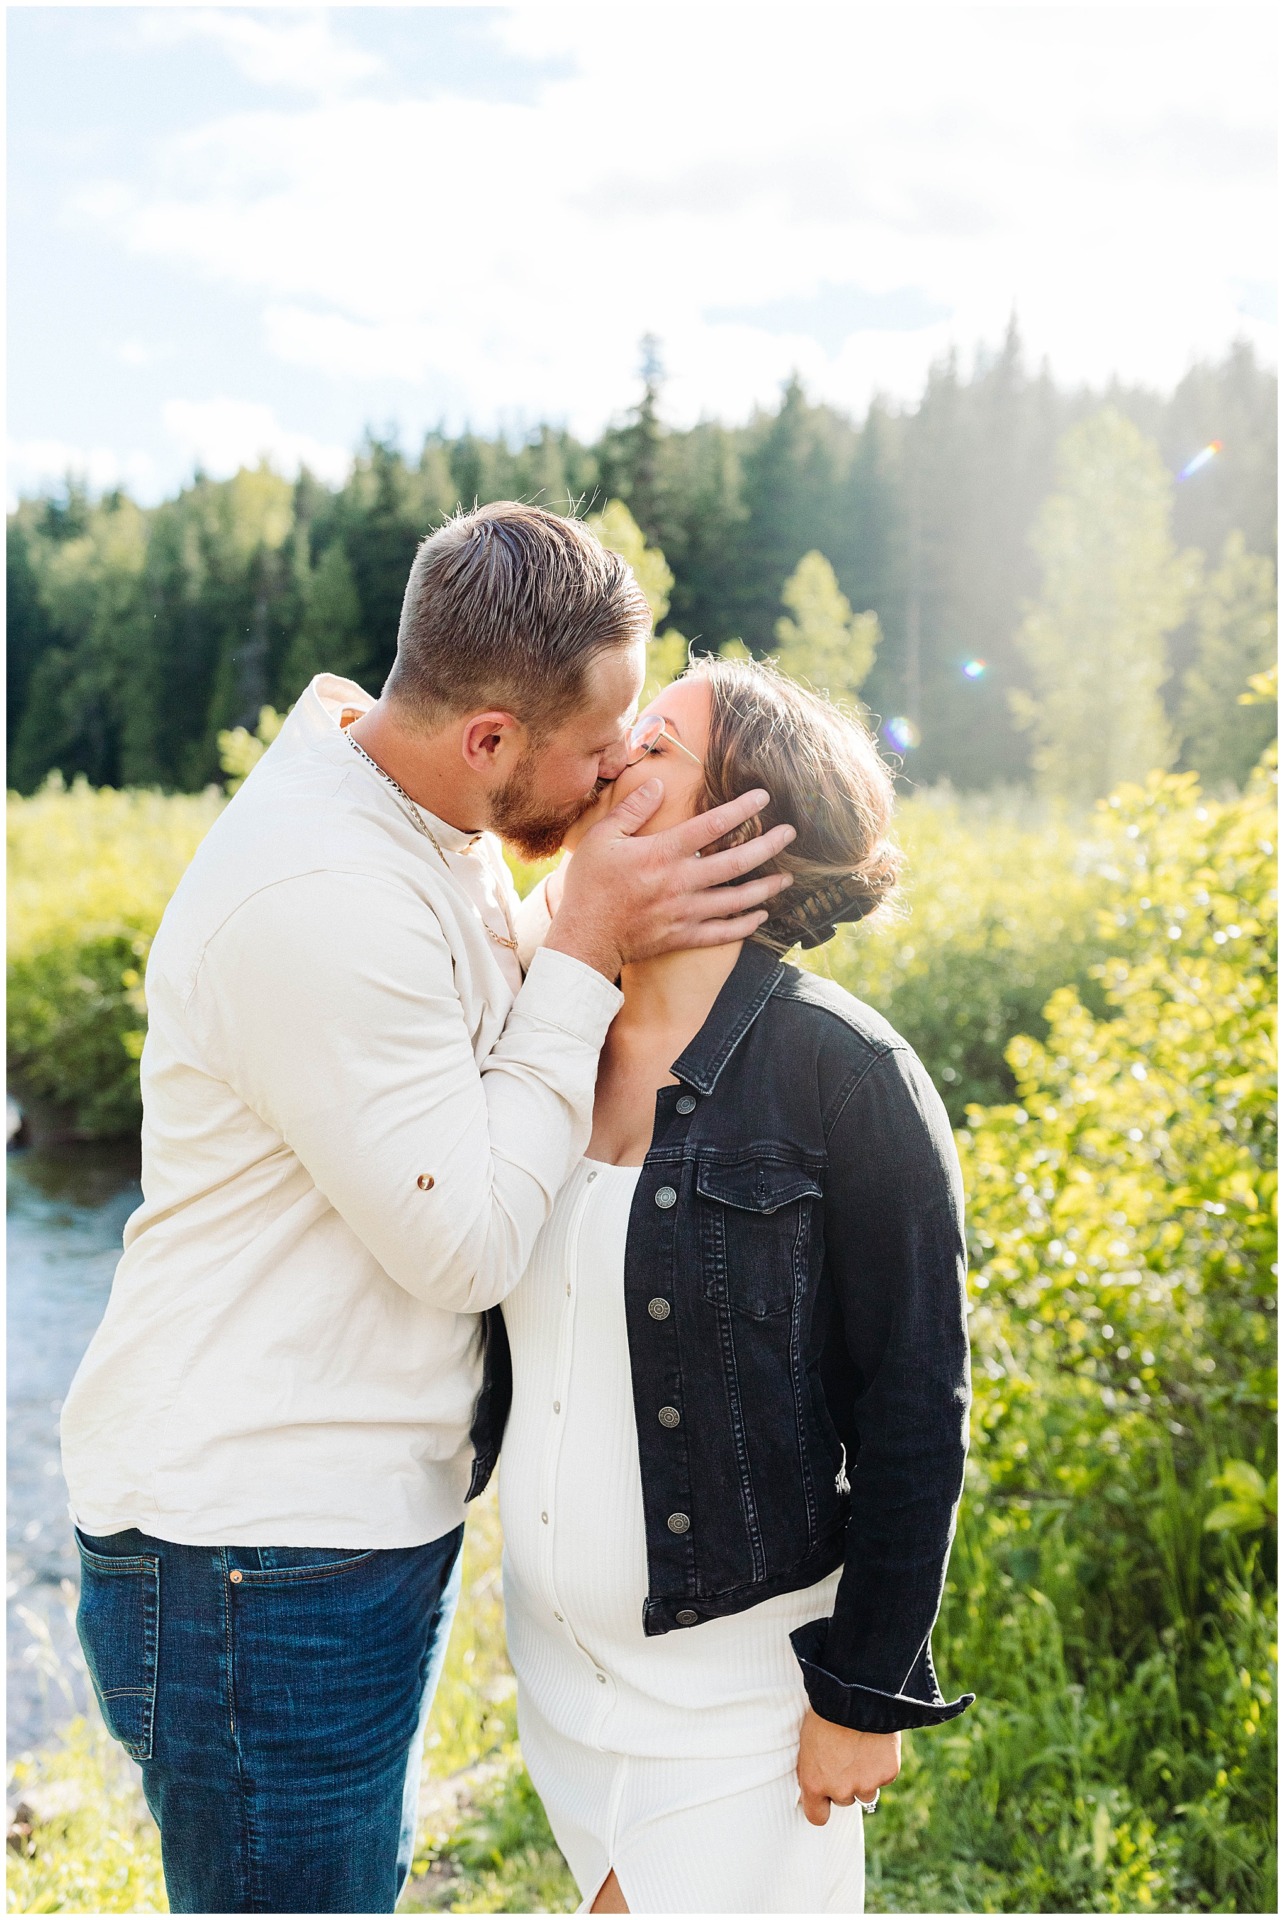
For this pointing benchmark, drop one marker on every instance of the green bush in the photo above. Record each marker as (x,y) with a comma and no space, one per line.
(1110,1597)
(998,908)
(90,871)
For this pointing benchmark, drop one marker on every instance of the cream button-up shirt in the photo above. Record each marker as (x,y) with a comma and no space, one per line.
(356,1118)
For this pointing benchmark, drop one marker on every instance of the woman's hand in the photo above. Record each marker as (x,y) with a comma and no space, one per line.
(555,882)
(842,1765)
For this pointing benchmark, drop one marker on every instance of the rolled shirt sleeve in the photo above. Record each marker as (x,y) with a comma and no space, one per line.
(329,1003)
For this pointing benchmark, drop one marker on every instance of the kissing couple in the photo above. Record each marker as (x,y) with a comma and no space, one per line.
(596,1178)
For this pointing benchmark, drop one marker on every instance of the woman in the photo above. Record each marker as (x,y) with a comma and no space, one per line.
(740,1379)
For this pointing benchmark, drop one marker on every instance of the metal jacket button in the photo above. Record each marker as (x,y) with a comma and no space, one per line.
(687,1103)
(687,1617)
(669,1417)
(666,1197)
(658,1309)
(679,1522)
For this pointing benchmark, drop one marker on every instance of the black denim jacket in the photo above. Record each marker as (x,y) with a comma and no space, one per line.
(794,1294)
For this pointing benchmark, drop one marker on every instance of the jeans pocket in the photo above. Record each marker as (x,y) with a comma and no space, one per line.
(301,1563)
(118,1621)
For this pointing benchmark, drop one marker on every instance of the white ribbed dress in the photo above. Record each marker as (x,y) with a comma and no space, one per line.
(670,1758)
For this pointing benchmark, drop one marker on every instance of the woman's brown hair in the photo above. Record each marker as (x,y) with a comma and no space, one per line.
(825,776)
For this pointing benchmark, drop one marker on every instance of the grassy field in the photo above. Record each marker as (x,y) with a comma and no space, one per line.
(1096,999)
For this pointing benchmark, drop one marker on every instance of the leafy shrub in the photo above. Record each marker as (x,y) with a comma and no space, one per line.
(1115,1615)
(998,910)
(90,871)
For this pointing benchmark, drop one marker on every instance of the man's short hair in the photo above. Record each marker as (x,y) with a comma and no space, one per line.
(505,607)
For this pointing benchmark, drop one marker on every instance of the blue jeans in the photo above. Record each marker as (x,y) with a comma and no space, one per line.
(275,1698)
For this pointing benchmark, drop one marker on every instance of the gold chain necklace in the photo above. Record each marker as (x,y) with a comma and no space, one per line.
(424,828)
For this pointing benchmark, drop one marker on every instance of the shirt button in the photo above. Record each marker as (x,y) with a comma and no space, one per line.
(669,1417)
(556,1615)
(236,1576)
(557,1406)
(666,1197)
(592,1176)
(658,1309)
(687,1618)
(424,1182)
(544,1518)
(601,1679)
(687,1103)
(679,1522)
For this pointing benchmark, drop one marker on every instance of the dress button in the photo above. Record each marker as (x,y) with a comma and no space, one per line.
(687,1617)
(658,1309)
(669,1417)
(679,1522)
(666,1197)
(236,1576)
(687,1103)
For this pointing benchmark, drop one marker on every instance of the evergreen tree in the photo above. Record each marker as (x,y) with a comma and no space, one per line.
(824,644)
(328,638)
(31,633)
(630,458)
(79,692)
(1236,626)
(924,514)
(793,470)
(1114,587)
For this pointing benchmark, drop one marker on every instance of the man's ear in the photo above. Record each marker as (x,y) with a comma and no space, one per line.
(492,742)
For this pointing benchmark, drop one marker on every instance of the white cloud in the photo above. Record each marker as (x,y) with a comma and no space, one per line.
(222,435)
(36,466)
(1102,170)
(296,50)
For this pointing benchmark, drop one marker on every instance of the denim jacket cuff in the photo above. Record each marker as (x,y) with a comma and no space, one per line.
(865,1709)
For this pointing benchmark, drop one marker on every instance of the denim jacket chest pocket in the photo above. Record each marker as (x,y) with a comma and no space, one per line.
(755,1224)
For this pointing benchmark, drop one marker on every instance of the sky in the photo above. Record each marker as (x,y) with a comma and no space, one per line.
(245,232)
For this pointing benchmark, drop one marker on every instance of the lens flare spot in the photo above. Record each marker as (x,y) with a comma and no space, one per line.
(974,669)
(1200,460)
(902,733)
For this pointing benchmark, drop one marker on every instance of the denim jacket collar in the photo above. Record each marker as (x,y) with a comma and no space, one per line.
(745,992)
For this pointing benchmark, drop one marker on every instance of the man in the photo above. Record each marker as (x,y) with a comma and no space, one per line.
(356,1118)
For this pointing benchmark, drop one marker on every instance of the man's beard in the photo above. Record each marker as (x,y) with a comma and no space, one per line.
(536,836)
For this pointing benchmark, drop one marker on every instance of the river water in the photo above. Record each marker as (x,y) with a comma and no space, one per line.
(67,1207)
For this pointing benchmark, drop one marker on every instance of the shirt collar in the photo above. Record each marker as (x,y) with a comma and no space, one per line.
(324,703)
(745,992)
